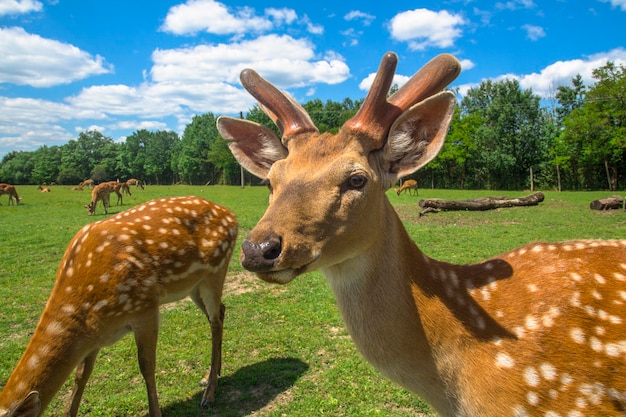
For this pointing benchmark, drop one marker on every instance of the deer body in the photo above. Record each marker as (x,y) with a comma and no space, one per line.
(11,191)
(540,330)
(410,185)
(112,279)
(101,192)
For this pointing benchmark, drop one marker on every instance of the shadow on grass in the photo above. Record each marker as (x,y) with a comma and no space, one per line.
(249,389)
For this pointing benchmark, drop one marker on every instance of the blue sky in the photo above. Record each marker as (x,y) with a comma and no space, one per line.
(67,66)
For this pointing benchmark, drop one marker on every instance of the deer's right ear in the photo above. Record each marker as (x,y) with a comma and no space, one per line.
(255,146)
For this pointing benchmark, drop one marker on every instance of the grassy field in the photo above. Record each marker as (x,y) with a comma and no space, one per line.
(286,351)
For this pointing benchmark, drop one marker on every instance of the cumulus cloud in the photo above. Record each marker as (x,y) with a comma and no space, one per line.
(545,82)
(220,19)
(17,7)
(29,59)
(423,28)
(284,60)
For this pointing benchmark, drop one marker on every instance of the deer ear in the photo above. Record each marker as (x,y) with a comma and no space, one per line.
(255,146)
(28,407)
(417,136)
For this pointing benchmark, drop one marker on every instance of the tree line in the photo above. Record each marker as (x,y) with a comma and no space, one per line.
(501,137)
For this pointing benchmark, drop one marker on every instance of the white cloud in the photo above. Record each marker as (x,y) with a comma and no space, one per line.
(366,18)
(534,32)
(16,7)
(213,17)
(545,82)
(423,28)
(282,15)
(287,61)
(218,18)
(29,59)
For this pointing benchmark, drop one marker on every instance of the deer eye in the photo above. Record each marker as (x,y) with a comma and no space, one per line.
(356,182)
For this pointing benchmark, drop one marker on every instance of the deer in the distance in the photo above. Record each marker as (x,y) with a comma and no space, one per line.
(113,277)
(99,193)
(87,183)
(135,182)
(118,188)
(539,330)
(11,191)
(410,185)
(43,189)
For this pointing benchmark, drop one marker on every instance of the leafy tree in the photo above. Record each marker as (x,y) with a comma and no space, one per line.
(512,137)
(193,160)
(47,161)
(88,150)
(594,134)
(159,150)
(17,167)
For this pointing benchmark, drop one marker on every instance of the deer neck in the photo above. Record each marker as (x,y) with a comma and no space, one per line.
(381,296)
(47,362)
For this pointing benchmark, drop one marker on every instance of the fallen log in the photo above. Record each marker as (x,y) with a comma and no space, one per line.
(479,204)
(609,203)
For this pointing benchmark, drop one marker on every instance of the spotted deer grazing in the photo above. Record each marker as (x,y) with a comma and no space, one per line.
(101,192)
(537,331)
(410,185)
(12,193)
(112,279)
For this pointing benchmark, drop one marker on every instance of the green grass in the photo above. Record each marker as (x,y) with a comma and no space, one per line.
(286,351)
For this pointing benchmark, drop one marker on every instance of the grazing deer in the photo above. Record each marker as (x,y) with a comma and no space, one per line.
(11,191)
(539,330)
(135,182)
(100,192)
(407,185)
(88,182)
(112,279)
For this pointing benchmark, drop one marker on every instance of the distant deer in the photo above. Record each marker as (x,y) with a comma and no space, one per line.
(537,331)
(410,185)
(11,191)
(43,189)
(100,192)
(88,182)
(112,279)
(118,188)
(135,182)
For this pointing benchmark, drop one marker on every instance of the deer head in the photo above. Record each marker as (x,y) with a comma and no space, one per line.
(321,183)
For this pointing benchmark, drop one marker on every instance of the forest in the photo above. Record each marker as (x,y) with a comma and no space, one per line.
(502,137)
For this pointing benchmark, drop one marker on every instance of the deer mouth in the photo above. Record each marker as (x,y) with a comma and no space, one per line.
(284,276)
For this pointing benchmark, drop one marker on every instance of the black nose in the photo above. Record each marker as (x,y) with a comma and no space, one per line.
(261,256)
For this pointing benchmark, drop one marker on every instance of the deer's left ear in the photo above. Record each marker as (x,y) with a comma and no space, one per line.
(255,146)
(417,136)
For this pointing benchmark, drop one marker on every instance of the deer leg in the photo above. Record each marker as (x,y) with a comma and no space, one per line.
(146,335)
(83,372)
(215,314)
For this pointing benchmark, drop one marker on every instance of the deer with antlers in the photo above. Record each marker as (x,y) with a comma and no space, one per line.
(113,277)
(11,191)
(539,330)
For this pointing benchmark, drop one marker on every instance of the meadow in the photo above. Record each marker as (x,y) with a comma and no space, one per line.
(286,351)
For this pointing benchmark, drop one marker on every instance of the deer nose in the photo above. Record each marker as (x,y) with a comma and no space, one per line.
(261,256)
